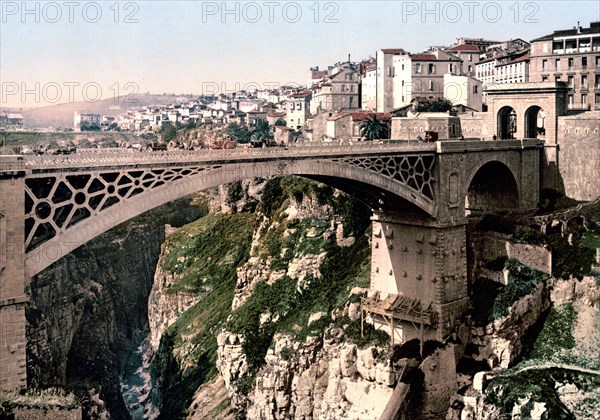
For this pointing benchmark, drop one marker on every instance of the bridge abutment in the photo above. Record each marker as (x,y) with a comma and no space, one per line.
(418,277)
(13,371)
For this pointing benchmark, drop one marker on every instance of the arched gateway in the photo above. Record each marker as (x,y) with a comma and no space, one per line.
(51,205)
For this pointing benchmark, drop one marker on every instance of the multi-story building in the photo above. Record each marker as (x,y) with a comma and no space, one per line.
(297,109)
(389,61)
(428,70)
(339,90)
(368,84)
(11,121)
(469,54)
(402,77)
(508,68)
(573,56)
(463,90)
(86,121)
(513,68)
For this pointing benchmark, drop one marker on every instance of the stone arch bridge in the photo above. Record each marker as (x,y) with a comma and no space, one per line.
(420,193)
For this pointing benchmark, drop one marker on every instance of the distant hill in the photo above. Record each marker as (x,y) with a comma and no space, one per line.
(61,115)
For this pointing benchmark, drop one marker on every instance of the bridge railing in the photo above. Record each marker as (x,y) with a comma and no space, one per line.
(131,157)
(120,156)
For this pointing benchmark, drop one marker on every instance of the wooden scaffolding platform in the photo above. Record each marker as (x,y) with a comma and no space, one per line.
(398,307)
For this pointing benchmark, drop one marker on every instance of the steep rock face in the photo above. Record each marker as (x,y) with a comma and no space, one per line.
(319,378)
(165,308)
(298,268)
(500,342)
(258,269)
(87,309)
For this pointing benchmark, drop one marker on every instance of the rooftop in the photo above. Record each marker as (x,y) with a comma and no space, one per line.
(423,57)
(593,29)
(464,47)
(393,51)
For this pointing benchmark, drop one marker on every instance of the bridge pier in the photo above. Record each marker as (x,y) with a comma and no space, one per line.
(418,277)
(13,371)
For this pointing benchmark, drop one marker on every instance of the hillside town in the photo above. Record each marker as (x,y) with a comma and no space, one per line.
(437,94)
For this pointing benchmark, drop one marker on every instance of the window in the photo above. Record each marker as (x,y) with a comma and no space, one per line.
(544,65)
(299,107)
(570,82)
(584,81)
(544,78)
(431,85)
(598,99)
(597,81)
(570,64)
(570,99)
(470,57)
(475,89)
(418,68)
(557,63)
(389,71)
(584,98)
(431,69)
(584,63)
(598,61)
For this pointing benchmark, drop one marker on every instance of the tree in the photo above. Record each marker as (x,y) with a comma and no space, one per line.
(439,105)
(373,128)
(240,134)
(280,123)
(168,132)
(262,132)
(89,126)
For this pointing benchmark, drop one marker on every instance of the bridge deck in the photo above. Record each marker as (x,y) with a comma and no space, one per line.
(127,157)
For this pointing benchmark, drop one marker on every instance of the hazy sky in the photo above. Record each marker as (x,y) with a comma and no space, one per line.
(52,52)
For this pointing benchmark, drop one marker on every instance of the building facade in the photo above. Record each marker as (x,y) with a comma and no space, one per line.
(571,56)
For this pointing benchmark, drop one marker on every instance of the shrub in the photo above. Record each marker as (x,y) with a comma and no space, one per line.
(556,333)
(570,260)
(521,281)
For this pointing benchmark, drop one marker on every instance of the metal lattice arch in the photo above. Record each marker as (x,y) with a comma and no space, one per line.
(67,208)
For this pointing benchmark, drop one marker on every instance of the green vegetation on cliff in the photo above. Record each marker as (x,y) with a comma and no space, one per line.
(493,300)
(204,257)
(205,254)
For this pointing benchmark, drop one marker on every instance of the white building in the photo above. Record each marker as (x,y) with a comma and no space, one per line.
(385,77)
(89,120)
(464,90)
(297,108)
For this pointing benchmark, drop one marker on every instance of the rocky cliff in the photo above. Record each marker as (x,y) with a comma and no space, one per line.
(282,309)
(87,309)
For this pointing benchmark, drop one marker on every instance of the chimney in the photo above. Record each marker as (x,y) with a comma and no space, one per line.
(348,58)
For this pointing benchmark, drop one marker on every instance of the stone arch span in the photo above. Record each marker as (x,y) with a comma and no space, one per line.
(492,187)
(379,191)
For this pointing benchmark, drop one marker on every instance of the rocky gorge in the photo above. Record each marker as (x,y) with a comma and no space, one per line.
(252,310)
